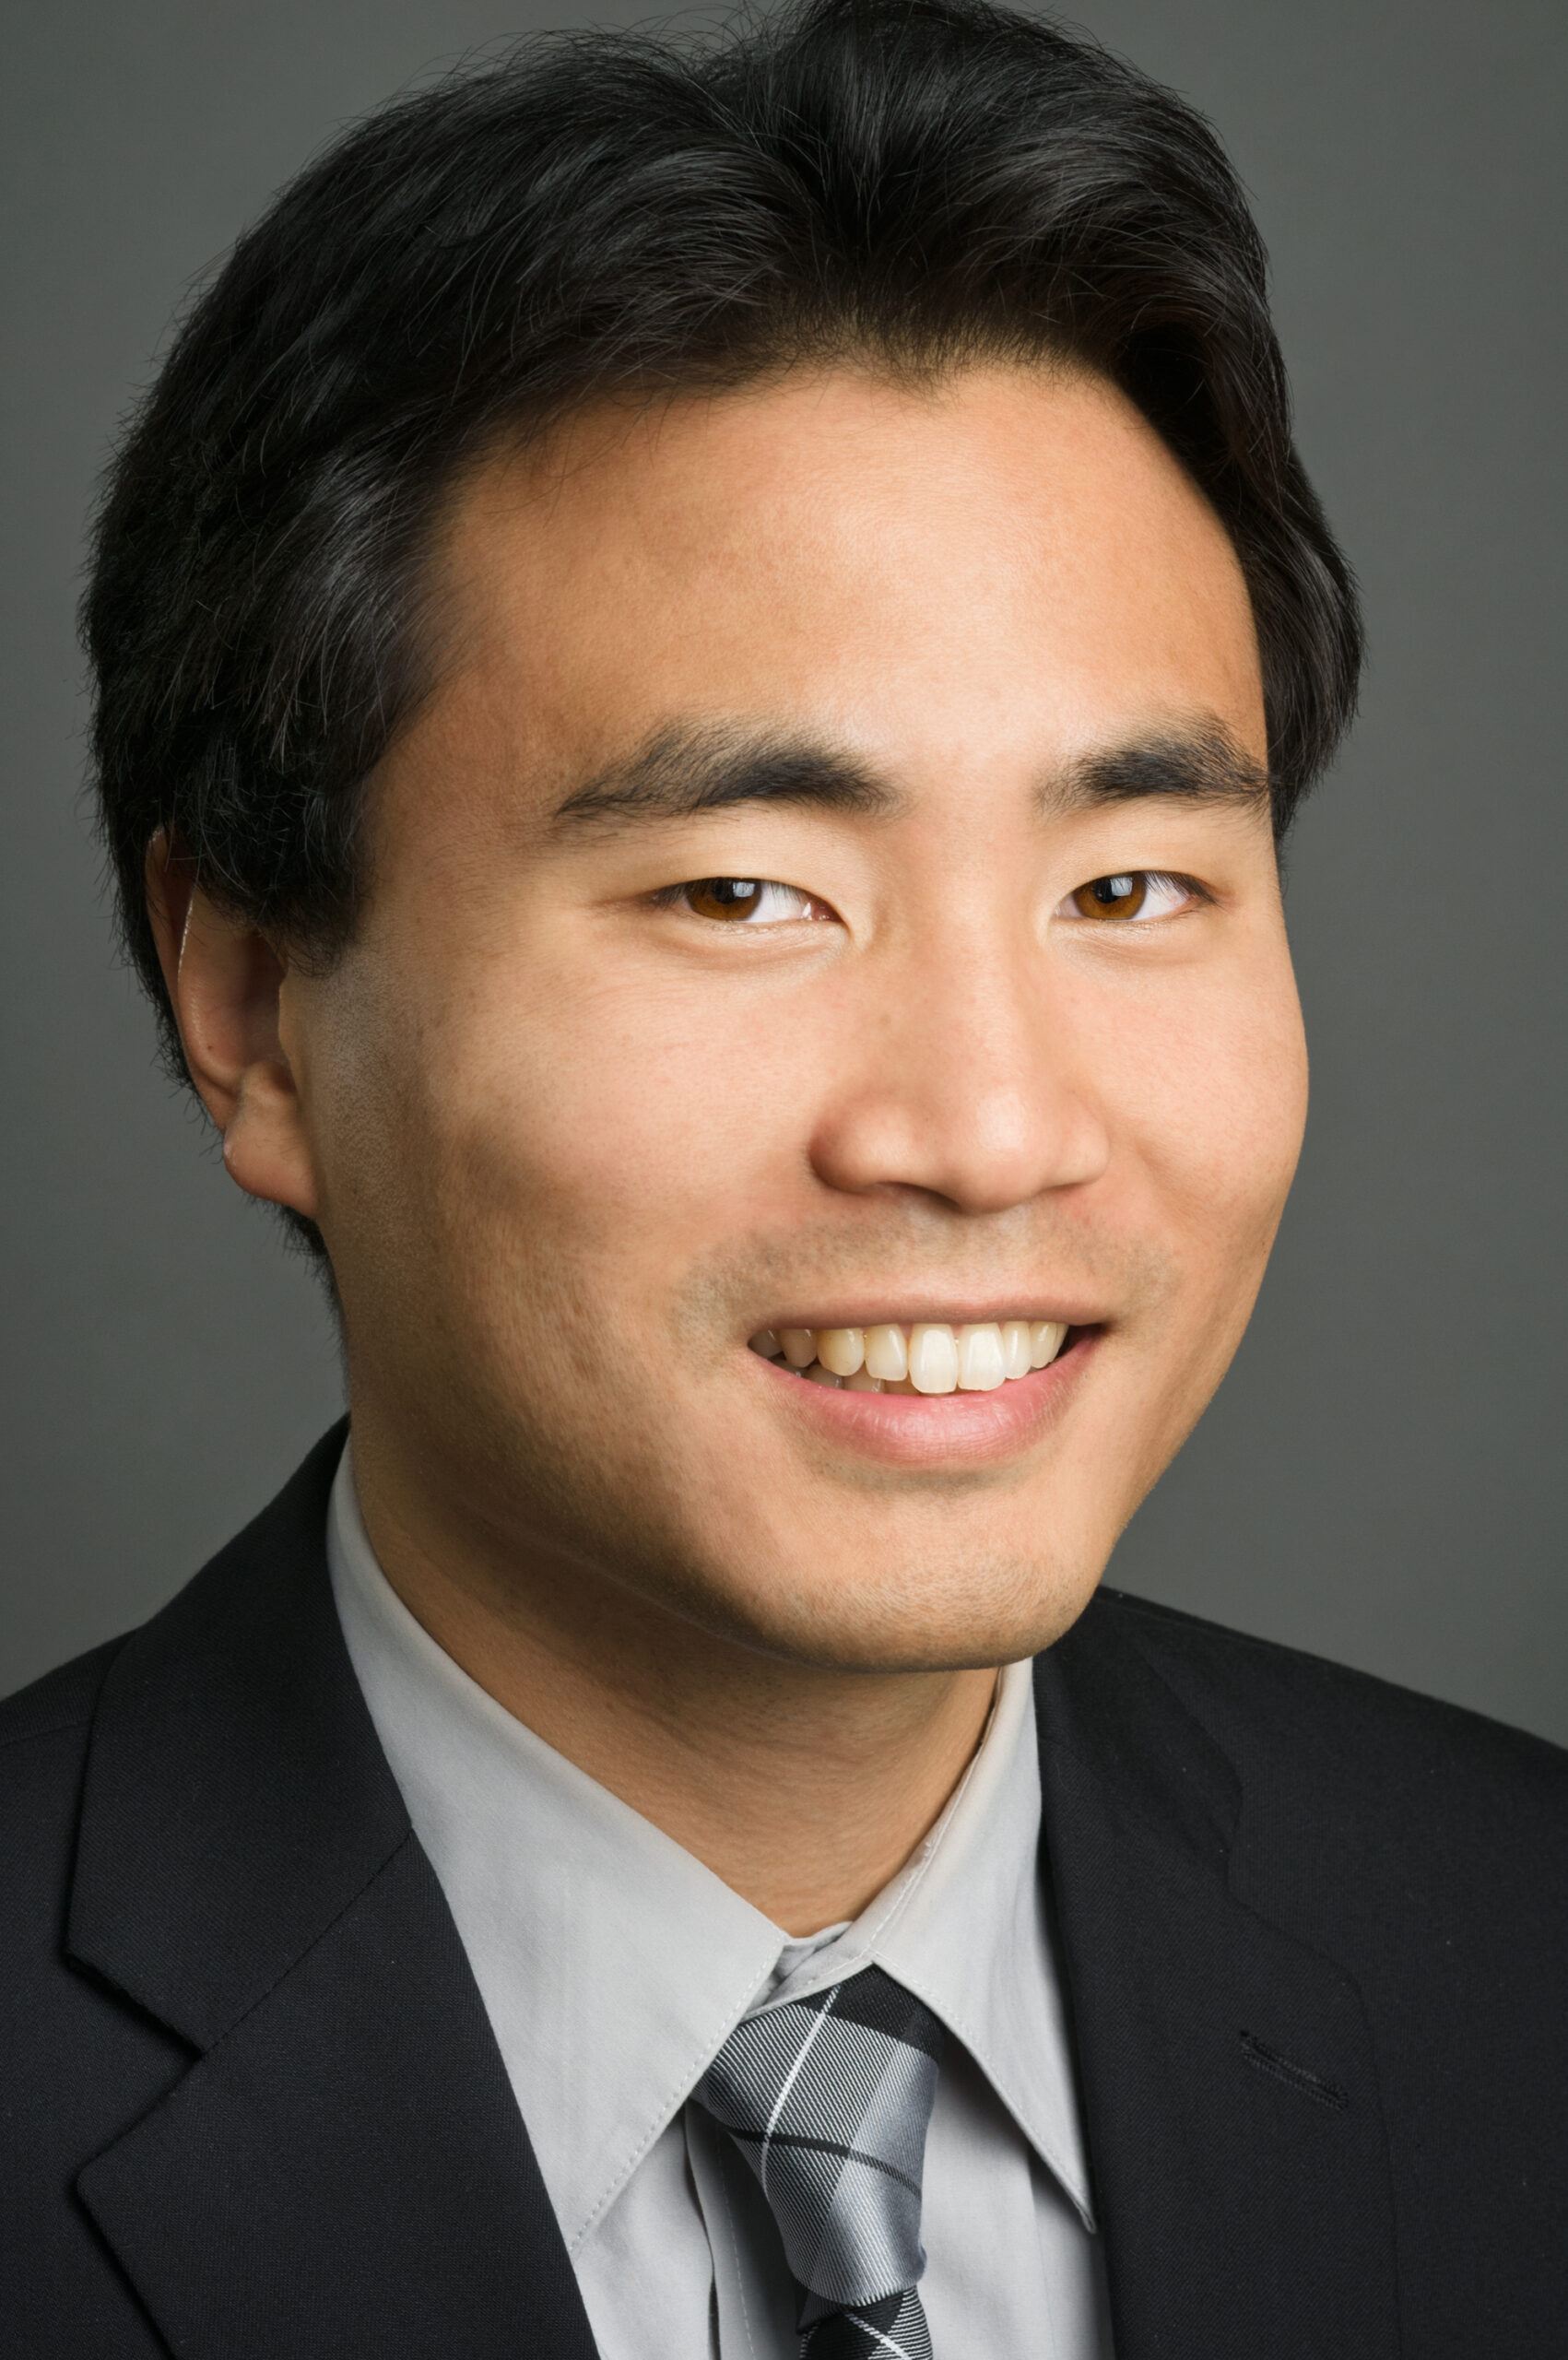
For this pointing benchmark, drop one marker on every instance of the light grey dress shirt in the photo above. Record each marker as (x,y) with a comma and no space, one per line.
(614,1965)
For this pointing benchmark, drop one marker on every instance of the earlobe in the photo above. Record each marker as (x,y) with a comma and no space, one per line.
(225,982)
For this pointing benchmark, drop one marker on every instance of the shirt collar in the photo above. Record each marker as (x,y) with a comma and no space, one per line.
(965,1925)
(613,1965)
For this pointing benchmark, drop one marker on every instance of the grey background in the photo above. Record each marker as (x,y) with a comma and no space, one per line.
(1382,1477)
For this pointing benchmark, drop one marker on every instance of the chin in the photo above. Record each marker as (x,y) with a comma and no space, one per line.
(946,1617)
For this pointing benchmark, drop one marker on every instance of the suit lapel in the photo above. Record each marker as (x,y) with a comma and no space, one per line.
(1230,2093)
(342,2170)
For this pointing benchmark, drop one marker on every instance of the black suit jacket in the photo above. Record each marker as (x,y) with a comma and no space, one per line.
(1315,1928)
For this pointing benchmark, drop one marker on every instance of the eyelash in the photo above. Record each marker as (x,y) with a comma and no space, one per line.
(1143,881)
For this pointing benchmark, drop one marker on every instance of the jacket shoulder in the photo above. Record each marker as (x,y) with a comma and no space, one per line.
(1382,1823)
(1268,1705)
(44,1733)
(57,1705)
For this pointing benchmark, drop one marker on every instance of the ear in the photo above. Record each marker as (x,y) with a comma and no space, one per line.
(225,982)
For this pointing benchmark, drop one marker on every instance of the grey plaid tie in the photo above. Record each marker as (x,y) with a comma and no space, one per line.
(828,2098)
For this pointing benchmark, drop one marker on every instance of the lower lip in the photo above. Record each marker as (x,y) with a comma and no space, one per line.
(935,1429)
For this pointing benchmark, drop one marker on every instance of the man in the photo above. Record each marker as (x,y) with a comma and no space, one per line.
(702,657)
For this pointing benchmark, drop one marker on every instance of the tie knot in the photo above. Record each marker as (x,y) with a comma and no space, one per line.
(829,2099)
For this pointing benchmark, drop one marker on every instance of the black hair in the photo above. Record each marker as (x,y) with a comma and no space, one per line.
(912,182)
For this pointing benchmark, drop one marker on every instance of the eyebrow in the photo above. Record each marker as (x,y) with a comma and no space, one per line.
(689,768)
(1201,763)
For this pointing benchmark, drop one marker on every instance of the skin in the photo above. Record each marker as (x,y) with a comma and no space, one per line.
(571,1144)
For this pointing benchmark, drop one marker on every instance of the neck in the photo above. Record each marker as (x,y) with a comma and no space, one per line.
(804,1787)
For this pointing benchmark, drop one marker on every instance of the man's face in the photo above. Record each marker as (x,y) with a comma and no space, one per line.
(725,969)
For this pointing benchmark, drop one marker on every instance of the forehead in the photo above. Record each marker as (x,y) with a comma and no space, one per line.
(1008,562)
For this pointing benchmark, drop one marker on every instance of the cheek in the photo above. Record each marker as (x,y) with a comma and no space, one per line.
(1209,1099)
(626,1122)
(1257,1092)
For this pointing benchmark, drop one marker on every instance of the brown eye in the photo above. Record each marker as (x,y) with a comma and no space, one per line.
(752,902)
(723,897)
(1113,897)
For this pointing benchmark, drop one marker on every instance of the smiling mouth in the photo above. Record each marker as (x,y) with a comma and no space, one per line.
(925,1358)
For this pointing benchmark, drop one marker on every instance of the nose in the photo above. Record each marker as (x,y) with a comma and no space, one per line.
(964,1081)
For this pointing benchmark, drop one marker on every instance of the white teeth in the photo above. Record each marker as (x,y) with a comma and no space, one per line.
(841,1348)
(927,1357)
(933,1360)
(981,1365)
(886,1355)
(1045,1338)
